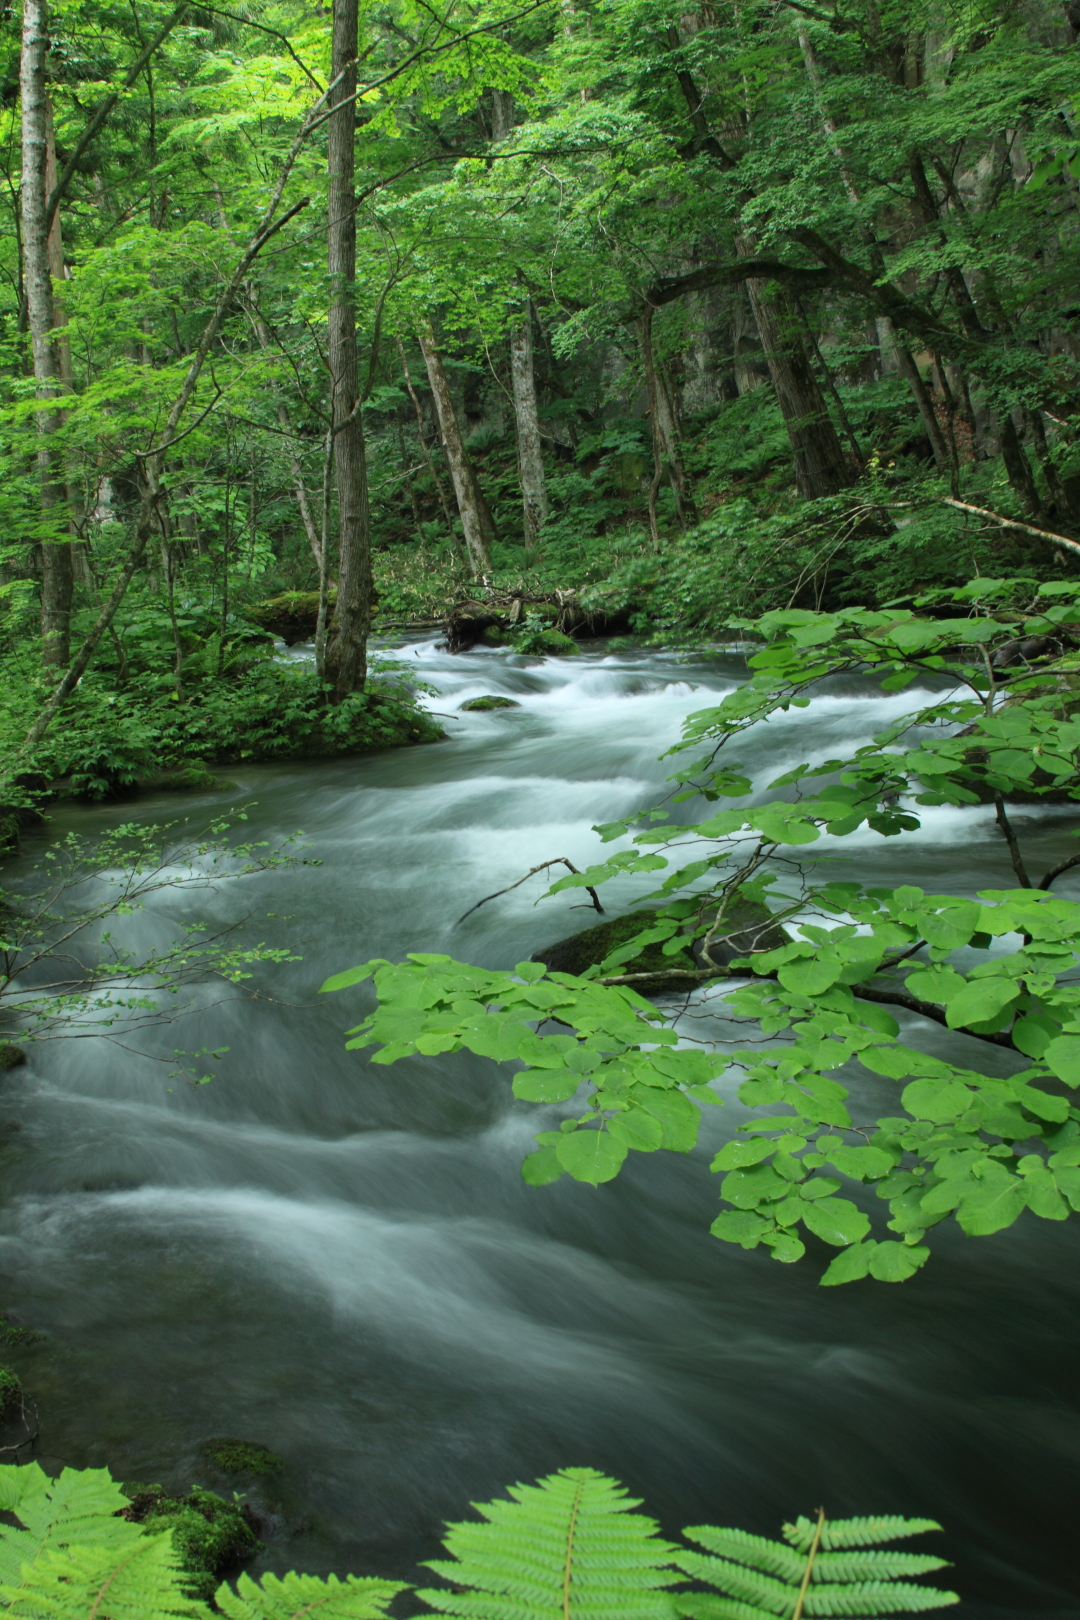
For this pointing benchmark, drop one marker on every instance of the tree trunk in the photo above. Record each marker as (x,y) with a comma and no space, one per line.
(346,656)
(534,497)
(665,435)
(475,519)
(56,581)
(820,468)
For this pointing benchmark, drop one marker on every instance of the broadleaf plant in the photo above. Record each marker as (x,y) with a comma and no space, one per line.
(1000,967)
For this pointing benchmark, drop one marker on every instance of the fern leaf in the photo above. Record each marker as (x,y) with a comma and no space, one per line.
(291,1596)
(744,1548)
(707,1606)
(737,1581)
(855,1532)
(873,1565)
(140,1580)
(568,1548)
(761,1579)
(875,1597)
(76,1509)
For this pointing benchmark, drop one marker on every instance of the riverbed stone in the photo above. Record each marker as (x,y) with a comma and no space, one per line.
(748,922)
(212,1536)
(481,705)
(10,1056)
(233,1456)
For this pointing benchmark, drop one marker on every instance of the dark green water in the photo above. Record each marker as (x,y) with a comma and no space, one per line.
(342,1262)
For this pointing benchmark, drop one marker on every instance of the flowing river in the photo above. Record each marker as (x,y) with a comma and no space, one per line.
(342,1262)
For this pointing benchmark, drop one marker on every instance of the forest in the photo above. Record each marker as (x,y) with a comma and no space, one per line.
(573,507)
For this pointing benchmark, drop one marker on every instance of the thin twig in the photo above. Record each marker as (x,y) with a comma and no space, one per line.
(558,860)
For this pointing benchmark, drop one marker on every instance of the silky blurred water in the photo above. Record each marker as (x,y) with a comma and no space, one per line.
(342,1261)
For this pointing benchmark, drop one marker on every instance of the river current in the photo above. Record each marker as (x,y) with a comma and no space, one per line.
(341,1261)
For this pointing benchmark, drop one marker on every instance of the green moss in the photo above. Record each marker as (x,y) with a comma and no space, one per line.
(211,1535)
(483,704)
(241,1456)
(10,1056)
(539,640)
(10,1391)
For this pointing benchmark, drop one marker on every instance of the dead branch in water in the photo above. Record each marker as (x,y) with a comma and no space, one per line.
(559,860)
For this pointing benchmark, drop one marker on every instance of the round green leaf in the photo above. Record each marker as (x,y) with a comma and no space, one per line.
(637,1129)
(541,1167)
(592,1156)
(740,1226)
(896,1262)
(1063,1056)
(546,1085)
(850,1265)
(837,1221)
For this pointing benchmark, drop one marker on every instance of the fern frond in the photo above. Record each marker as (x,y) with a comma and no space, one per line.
(855,1532)
(873,1565)
(762,1579)
(707,1606)
(568,1548)
(744,1548)
(288,1597)
(140,1580)
(75,1509)
(737,1581)
(875,1597)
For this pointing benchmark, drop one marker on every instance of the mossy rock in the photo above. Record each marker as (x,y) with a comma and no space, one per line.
(10,1056)
(545,642)
(493,635)
(748,923)
(481,705)
(231,1456)
(293,616)
(210,1535)
(10,1392)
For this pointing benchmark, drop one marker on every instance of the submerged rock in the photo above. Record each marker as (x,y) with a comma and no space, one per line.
(748,926)
(483,704)
(10,1056)
(241,1456)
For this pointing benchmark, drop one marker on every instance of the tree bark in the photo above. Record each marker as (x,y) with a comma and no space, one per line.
(534,496)
(665,434)
(346,655)
(820,467)
(472,508)
(56,580)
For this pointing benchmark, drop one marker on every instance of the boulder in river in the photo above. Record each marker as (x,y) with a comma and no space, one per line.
(211,1536)
(232,1456)
(748,927)
(481,705)
(10,1056)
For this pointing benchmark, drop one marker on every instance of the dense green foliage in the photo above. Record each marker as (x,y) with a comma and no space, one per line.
(727,302)
(999,721)
(571,1546)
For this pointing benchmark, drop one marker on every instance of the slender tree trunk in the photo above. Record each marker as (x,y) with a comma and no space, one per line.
(665,433)
(470,501)
(56,581)
(534,496)
(346,655)
(820,467)
(424,448)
